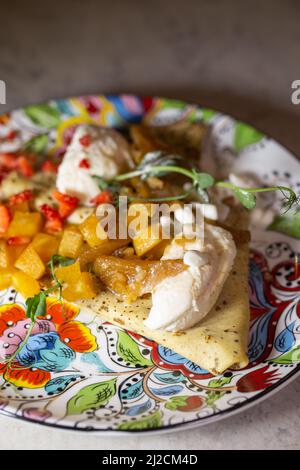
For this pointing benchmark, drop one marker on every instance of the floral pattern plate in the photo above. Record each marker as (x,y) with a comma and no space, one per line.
(80,373)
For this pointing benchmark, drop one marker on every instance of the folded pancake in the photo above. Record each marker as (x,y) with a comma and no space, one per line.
(216,343)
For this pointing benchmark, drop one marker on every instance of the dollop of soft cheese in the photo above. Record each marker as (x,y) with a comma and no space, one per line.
(181,301)
(94,150)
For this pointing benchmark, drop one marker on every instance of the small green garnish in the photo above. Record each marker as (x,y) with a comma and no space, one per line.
(159,164)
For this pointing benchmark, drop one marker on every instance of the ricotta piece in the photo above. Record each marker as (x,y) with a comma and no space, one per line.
(181,301)
(94,150)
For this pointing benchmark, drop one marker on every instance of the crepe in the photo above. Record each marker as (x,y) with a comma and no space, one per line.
(216,343)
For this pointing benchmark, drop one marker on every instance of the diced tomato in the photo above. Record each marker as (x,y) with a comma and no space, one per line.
(49,166)
(26,195)
(8,161)
(24,166)
(84,163)
(18,240)
(5,218)
(85,140)
(54,222)
(102,198)
(11,134)
(66,204)
(53,226)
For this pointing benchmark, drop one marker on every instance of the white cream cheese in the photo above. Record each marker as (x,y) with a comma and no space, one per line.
(181,301)
(106,154)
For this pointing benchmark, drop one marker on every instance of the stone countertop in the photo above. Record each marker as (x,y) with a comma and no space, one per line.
(238,57)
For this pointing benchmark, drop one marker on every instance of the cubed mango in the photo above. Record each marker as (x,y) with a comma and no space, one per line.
(5,260)
(25,224)
(92,231)
(70,243)
(30,262)
(5,278)
(25,284)
(146,240)
(76,284)
(45,245)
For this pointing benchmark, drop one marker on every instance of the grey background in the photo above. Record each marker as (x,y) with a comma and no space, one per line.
(236,56)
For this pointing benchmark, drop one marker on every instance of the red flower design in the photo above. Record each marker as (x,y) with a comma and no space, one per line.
(258,379)
(59,319)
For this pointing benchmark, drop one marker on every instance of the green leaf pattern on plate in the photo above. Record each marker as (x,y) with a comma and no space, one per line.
(245,135)
(129,351)
(150,422)
(92,396)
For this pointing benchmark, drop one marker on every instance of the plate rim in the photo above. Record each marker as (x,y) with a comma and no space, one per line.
(195,423)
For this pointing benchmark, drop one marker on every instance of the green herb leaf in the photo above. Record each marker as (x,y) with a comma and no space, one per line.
(41,307)
(246,198)
(202,180)
(61,261)
(101,182)
(36,306)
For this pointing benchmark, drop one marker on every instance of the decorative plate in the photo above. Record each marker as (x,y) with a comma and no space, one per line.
(87,375)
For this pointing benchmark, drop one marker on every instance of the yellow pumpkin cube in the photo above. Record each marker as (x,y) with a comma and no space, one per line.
(158,250)
(9,254)
(30,262)
(25,224)
(15,251)
(45,245)
(21,207)
(5,260)
(146,240)
(25,284)
(70,243)
(85,288)
(92,231)
(5,278)
(76,285)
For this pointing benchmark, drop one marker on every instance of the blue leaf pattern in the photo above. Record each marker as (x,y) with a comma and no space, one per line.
(59,384)
(139,409)
(286,339)
(133,391)
(170,377)
(167,391)
(94,358)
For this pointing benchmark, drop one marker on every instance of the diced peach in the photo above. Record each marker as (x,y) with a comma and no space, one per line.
(15,251)
(30,262)
(92,231)
(5,261)
(85,288)
(70,244)
(26,224)
(20,207)
(25,284)
(9,254)
(68,274)
(5,278)
(76,285)
(45,245)
(132,278)
(145,240)
(158,250)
